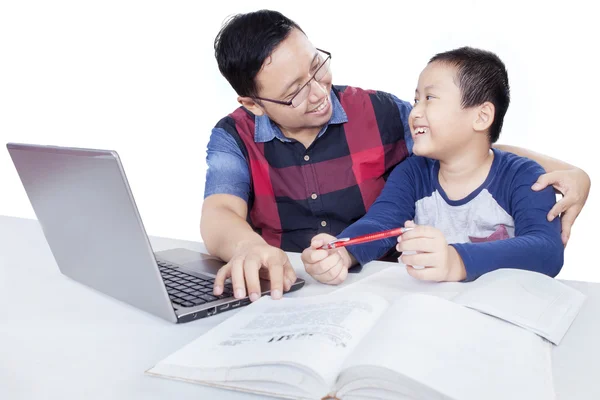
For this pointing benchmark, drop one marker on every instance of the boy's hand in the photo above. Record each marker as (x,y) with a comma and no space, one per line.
(326,266)
(442,262)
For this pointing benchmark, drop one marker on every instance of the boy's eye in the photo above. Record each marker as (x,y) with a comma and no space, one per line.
(429,97)
(416,101)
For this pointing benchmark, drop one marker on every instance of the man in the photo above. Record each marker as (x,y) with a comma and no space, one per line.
(302,156)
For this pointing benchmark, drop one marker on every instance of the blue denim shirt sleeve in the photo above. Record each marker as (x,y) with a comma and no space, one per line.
(228,171)
(405,107)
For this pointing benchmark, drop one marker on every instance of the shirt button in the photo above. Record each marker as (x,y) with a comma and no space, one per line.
(313,196)
(323,223)
(306,158)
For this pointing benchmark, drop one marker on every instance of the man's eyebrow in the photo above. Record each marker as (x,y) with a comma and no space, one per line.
(288,87)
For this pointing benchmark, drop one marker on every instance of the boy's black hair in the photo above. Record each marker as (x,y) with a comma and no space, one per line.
(243,44)
(481,76)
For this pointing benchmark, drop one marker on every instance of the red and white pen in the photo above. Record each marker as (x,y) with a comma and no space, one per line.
(343,242)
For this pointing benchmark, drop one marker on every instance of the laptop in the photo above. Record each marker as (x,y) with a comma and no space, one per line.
(83,202)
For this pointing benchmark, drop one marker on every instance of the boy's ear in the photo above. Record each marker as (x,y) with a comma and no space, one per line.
(251,105)
(484,117)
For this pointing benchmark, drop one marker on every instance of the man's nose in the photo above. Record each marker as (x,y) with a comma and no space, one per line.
(317,91)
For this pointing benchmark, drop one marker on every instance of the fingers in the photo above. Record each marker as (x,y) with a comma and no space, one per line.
(237,278)
(560,207)
(289,275)
(545,180)
(567,220)
(425,274)
(251,267)
(314,253)
(276,267)
(323,265)
(341,277)
(564,236)
(312,256)
(223,273)
(333,275)
(329,269)
(419,231)
(427,259)
(417,244)
(320,240)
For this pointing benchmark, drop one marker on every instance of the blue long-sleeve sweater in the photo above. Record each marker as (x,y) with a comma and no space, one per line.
(502,224)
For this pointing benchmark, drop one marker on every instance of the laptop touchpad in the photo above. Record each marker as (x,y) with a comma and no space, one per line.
(192,260)
(206,266)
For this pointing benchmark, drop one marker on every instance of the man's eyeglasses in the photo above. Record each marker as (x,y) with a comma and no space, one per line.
(302,94)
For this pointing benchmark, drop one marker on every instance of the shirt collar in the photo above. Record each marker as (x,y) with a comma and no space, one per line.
(266,130)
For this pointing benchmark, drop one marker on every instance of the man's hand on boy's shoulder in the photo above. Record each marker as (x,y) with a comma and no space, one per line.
(437,260)
(574,184)
(326,266)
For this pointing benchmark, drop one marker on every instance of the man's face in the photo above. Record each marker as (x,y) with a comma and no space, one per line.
(288,68)
(438,123)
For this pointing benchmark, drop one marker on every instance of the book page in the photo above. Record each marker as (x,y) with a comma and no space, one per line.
(528,299)
(317,333)
(429,345)
(394,282)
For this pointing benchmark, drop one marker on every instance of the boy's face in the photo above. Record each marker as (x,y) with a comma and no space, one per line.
(438,124)
(283,73)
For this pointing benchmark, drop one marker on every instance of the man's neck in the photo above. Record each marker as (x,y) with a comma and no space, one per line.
(464,172)
(305,136)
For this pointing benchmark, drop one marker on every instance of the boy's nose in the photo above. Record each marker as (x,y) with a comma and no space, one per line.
(416,112)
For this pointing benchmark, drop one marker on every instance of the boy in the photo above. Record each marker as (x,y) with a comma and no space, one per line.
(472,205)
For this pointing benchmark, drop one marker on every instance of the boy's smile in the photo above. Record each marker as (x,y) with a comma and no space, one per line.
(420,130)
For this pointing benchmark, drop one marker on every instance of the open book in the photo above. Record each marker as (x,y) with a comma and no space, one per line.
(354,344)
(531,300)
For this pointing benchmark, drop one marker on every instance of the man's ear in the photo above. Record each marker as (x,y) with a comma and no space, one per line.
(251,105)
(484,117)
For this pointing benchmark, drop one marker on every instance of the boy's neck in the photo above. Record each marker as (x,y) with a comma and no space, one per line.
(466,171)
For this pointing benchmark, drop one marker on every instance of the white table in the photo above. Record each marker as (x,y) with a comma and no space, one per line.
(61,340)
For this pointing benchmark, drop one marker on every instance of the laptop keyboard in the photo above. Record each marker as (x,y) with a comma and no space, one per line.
(188,290)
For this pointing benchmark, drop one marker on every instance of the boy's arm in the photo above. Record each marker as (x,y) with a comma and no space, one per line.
(394,206)
(574,184)
(537,244)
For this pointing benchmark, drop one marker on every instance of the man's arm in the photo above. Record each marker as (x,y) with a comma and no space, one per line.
(548,163)
(225,230)
(573,182)
(223,226)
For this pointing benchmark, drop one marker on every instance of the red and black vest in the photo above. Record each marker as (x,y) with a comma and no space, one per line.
(298,192)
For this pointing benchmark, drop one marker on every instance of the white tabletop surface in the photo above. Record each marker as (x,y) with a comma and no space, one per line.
(61,340)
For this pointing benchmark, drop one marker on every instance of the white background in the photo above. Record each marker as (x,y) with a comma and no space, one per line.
(140,77)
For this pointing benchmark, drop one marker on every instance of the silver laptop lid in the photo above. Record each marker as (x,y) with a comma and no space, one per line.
(84,205)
